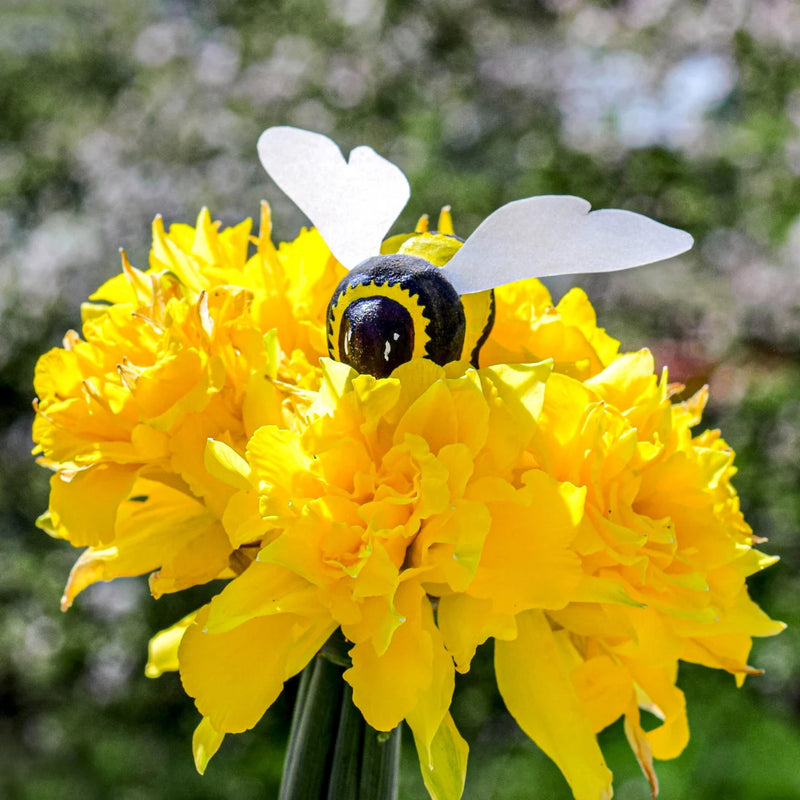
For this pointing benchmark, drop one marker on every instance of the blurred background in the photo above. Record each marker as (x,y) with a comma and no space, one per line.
(113,111)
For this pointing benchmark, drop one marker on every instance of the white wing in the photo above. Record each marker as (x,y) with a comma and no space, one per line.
(556,235)
(352,204)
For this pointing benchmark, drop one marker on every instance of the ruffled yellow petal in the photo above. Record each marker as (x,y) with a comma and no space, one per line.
(158,528)
(466,622)
(628,382)
(452,544)
(431,417)
(526,561)
(426,718)
(188,442)
(640,745)
(84,503)
(275,456)
(658,685)
(226,465)
(176,385)
(236,676)
(441,749)
(529,328)
(604,689)
(262,590)
(242,520)
(386,687)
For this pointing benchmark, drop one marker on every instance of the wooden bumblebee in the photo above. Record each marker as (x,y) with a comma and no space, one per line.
(427,294)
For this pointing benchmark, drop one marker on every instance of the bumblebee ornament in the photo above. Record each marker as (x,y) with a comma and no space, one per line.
(427,294)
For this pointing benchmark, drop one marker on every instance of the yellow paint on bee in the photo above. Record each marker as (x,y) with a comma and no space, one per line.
(393,291)
(435,248)
(478,312)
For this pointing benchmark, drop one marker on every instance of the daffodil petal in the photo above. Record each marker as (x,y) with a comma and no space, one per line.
(84,504)
(441,750)
(157,527)
(539,694)
(225,464)
(162,650)
(670,738)
(637,739)
(443,761)
(206,740)
(526,560)
(387,687)
(604,688)
(466,622)
(262,590)
(425,719)
(237,675)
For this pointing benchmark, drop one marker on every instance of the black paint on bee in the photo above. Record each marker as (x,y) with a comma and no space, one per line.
(392,308)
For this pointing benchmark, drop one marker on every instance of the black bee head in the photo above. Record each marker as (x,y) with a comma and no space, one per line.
(393,308)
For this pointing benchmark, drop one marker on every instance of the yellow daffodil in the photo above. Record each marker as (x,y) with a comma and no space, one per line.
(528,326)
(553,498)
(578,523)
(665,552)
(395,494)
(208,342)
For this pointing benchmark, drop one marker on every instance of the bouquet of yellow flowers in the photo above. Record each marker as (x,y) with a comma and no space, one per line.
(393,450)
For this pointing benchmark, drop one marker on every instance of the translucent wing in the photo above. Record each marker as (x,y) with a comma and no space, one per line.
(352,204)
(556,235)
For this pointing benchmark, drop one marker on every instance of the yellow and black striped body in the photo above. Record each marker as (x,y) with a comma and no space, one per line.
(400,305)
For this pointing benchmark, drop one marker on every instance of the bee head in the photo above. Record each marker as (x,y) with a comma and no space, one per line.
(392,308)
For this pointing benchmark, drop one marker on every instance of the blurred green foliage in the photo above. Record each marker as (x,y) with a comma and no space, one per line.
(113,111)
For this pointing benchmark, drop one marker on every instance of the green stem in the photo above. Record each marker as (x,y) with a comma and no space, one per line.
(299,704)
(316,712)
(333,754)
(346,767)
(380,765)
